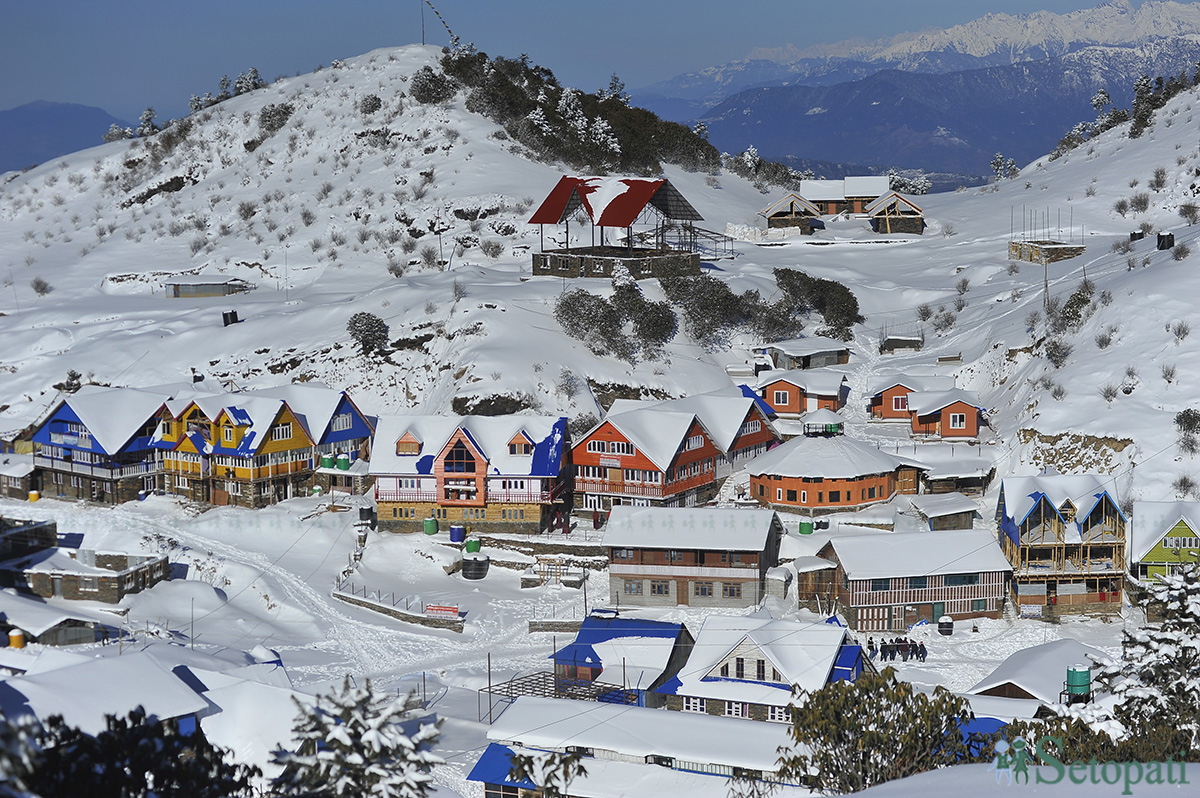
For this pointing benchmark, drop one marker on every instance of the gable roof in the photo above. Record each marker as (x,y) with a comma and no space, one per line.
(792,204)
(490,435)
(809,345)
(1040,670)
(824,382)
(1084,491)
(721,413)
(936,505)
(867,185)
(835,458)
(314,406)
(632,651)
(919,554)
(612,201)
(803,653)
(114,415)
(709,528)
(913,382)
(1152,521)
(657,433)
(892,199)
(925,402)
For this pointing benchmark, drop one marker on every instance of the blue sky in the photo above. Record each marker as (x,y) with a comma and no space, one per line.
(124,55)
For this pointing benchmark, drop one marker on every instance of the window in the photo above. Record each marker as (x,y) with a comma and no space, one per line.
(736,709)
(778,715)
(750,426)
(519,448)
(761,670)
(871,492)
(835,496)
(500,791)
(181,482)
(691,704)
(761,490)
(878,585)
(729,590)
(900,402)
(408,447)
(622,554)
(633,587)
(674,555)
(77,483)
(791,495)
(660,588)
(694,442)
(282,432)
(702,589)
(725,669)
(459,460)
(342,422)
(227,434)
(804,497)
(918,582)
(958,580)
(233,488)
(598,447)
(958,421)
(779,494)
(731,557)
(781,397)
(978,605)
(89,584)
(739,667)
(620,447)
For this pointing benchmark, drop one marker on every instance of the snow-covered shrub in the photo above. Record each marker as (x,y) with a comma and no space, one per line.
(1181,330)
(370,103)
(1057,351)
(1121,206)
(40,286)
(1181,251)
(1159,181)
(1139,202)
(1109,392)
(430,87)
(368,330)
(491,247)
(1190,212)
(960,303)
(1103,339)
(924,312)
(1168,372)
(274,116)
(963,286)
(429,255)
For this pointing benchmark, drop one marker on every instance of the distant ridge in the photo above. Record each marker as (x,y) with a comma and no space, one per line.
(36,132)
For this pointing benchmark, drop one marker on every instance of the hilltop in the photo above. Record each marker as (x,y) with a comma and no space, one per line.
(335,213)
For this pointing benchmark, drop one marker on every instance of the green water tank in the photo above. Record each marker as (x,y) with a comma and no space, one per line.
(1079,680)
(316,490)
(472,545)
(806,527)
(327,461)
(431,526)
(343,462)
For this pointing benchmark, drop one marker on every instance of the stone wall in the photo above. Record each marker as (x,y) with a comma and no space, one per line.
(585,263)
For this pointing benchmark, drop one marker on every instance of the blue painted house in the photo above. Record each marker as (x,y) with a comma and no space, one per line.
(97,445)
(634,654)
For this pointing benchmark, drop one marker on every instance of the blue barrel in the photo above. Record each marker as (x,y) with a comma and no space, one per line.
(458,533)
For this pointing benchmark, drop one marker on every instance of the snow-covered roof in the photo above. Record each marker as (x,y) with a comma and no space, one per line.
(554,723)
(632,651)
(85,693)
(721,413)
(823,190)
(1084,491)
(55,561)
(613,201)
(803,653)
(1151,521)
(823,382)
(823,415)
(913,382)
(834,458)
(114,415)
(919,554)
(202,279)
(34,615)
(792,203)
(924,402)
(655,432)
(313,406)
(811,345)
(16,465)
(954,460)
(491,434)
(1040,670)
(935,505)
(252,719)
(867,185)
(887,200)
(711,528)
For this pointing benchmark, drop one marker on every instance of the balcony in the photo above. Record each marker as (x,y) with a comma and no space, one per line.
(405,495)
(98,470)
(71,439)
(651,491)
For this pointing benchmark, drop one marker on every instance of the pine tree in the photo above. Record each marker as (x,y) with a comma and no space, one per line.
(146,126)
(851,735)
(351,744)
(19,755)
(369,331)
(1157,683)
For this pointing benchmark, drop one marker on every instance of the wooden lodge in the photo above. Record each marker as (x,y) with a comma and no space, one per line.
(895,213)
(615,202)
(793,211)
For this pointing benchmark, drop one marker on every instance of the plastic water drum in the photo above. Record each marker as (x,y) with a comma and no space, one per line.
(475,566)
(806,527)
(473,545)
(1079,680)
(16,639)
(34,495)
(326,461)
(343,462)
(431,526)
(458,533)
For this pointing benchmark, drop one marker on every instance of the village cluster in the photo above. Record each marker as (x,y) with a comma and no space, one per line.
(725,500)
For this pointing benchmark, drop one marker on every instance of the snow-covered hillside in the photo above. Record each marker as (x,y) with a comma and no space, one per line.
(319,216)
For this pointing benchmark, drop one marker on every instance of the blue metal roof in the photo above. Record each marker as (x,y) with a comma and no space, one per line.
(759,402)
(548,452)
(240,416)
(849,664)
(494,766)
(598,630)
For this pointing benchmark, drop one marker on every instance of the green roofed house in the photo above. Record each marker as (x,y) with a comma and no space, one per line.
(1165,536)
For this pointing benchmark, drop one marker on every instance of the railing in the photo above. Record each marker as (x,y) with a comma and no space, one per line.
(587,485)
(94,469)
(405,495)
(500,497)
(71,439)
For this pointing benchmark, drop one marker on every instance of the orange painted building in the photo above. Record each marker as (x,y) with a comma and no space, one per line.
(829,474)
(945,414)
(804,390)
(646,456)
(890,399)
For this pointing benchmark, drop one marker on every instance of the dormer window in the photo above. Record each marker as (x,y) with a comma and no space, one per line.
(459,460)
(227,434)
(520,448)
(408,444)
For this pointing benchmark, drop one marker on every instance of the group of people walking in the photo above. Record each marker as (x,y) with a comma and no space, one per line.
(888,650)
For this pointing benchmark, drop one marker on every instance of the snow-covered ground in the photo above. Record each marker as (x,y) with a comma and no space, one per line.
(315,214)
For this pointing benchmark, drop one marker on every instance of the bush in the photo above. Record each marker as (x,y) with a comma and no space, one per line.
(1109,392)
(835,302)
(368,330)
(1103,340)
(429,255)
(1190,212)
(1168,372)
(580,425)
(1058,392)
(307,216)
(430,87)
(246,210)
(40,286)
(1139,202)
(1181,330)
(1121,206)
(962,286)
(1181,251)
(924,312)
(1057,351)
(1187,422)
(492,248)
(370,104)
(960,303)
(1184,485)
(273,117)
(1159,181)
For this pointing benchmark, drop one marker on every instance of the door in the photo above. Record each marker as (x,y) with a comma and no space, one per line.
(939,609)
(56,584)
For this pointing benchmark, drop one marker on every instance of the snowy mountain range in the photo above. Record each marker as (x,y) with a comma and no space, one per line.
(1070,55)
(36,132)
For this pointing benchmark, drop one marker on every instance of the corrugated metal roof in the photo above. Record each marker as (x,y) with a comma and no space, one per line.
(612,201)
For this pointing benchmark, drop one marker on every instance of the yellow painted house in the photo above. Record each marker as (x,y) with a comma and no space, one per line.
(253,449)
(1165,538)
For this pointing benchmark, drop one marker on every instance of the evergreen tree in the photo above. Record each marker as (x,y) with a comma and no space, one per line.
(851,735)
(19,755)
(224,85)
(146,126)
(117,133)
(1143,106)
(351,744)
(369,331)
